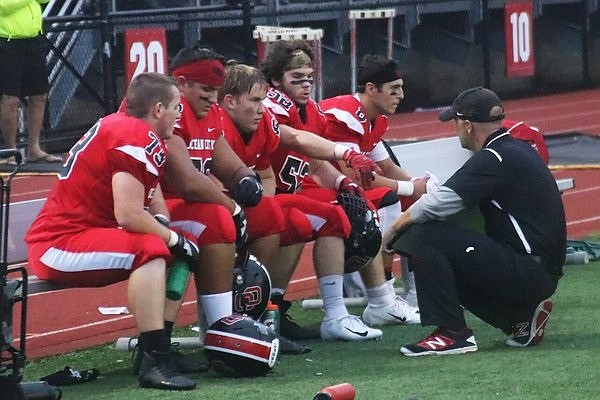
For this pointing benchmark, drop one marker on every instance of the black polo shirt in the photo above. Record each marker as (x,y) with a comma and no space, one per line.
(518,197)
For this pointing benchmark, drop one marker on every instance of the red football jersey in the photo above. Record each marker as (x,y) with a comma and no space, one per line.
(199,135)
(256,152)
(348,123)
(82,196)
(291,168)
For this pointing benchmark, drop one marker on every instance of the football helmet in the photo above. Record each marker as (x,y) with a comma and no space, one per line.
(251,286)
(239,346)
(364,241)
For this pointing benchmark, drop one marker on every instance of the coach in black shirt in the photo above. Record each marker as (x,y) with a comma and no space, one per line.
(506,275)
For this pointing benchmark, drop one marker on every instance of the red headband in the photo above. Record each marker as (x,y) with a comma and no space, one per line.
(207,72)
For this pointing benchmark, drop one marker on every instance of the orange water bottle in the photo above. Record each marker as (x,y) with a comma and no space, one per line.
(342,391)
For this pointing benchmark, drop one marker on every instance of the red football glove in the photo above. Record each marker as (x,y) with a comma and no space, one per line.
(347,186)
(363,167)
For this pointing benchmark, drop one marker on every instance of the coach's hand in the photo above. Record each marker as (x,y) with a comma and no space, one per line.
(363,167)
(248,191)
(181,245)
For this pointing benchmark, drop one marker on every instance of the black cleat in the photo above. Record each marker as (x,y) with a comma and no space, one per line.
(157,371)
(286,346)
(186,364)
(288,328)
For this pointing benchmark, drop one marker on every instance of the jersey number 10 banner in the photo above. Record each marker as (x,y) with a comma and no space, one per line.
(518,34)
(145,51)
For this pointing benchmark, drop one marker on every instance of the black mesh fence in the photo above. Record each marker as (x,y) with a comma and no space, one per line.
(442,47)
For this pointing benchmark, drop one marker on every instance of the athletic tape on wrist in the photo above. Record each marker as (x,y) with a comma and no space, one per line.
(173,239)
(237,209)
(339,150)
(338,181)
(405,188)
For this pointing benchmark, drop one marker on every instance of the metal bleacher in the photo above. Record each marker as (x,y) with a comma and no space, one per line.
(442,46)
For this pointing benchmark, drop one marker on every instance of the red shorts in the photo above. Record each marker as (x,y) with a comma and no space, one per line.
(96,257)
(309,217)
(264,219)
(210,223)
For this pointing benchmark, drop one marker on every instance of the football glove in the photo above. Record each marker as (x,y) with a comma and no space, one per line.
(363,167)
(181,245)
(239,218)
(162,219)
(248,191)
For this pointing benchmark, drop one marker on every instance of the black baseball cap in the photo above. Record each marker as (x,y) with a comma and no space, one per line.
(475,104)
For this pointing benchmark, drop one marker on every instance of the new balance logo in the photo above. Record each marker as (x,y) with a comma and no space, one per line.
(436,342)
(521,329)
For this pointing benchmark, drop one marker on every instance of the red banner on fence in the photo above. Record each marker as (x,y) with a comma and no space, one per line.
(145,51)
(518,34)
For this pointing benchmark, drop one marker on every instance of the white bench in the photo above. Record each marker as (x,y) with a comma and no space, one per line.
(442,157)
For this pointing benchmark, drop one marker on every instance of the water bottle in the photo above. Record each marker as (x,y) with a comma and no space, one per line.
(342,391)
(271,317)
(177,278)
(577,257)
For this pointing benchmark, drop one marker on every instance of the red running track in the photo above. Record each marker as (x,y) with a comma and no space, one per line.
(69,319)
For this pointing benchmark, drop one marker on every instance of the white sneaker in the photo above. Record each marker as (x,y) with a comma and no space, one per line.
(400,312)
(349,328)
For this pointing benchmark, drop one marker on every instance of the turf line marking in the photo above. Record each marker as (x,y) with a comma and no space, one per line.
(583,221)
(88,325)
(572,192)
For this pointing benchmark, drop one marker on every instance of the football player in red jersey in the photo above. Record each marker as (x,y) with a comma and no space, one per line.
(288,67)
(201,128)
(360,120)
(199,165)
(196,203)
(254,135)
(97,225)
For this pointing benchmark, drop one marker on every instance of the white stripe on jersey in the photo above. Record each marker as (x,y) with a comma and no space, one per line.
(139,153)
(275,108)
(347,118)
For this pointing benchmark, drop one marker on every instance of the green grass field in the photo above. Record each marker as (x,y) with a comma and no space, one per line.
(565,366)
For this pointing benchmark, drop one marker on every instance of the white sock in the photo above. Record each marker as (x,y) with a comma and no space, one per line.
(333,296)
(379,296)
(216,306)
(391,287)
